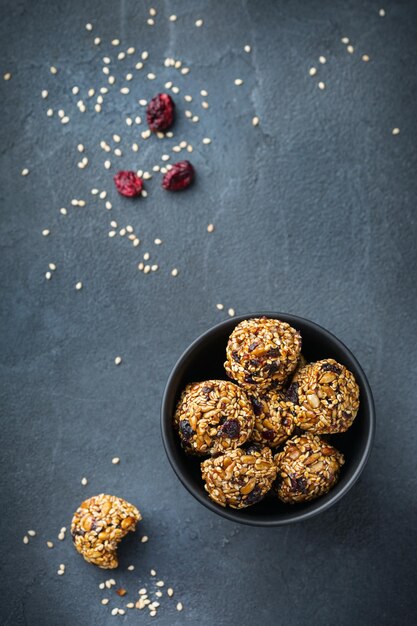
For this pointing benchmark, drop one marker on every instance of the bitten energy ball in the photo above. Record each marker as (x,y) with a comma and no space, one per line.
(99,524)
(213,416)
(327,397)
(274,418)
(239,478)
(308,467)
(262,353)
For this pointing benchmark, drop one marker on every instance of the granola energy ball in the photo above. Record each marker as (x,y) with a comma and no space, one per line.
(99,524)
(327,397)
(239,478)
(274,418)
(262,353)
(213,416)
(308,467)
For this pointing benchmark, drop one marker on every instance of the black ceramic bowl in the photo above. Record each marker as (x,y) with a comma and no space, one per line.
(204,360)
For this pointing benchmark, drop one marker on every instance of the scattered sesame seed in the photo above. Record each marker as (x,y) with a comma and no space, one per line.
(97,41)
(220,307)
(205,105)
(107,164)
(53,69)
(144,193)
(75,90)
(117,361)
(189,147)
(185,71)
(32,533)
(199,23)
(130,605)
(157,242)
(50,112)
(79,286)
(61,536)
(49,544)
(115,42)
(345,40)
(206,140)
(231,312)
(84,481)
(150,76)
(144,55)
(105,601)
(146,269)
(115,611)
(195,118)
(160,583)
(150,22)
(129,76)
(46,232)
(48,275)
(115,460)
(146,134)
(365,58)
(108,205)
(103,195)
(88,26)
(44,93)
(381,12)
(121,56)
(322,85)
(175,90)
(143,591)
(210,228)
(7,76)
(122,232)
(146,256)
(255,121)
(65,119)
(350,49)
(312,71)
(52,266)
(153,572)
(61,572)
(322,60)
(25,171)
(130,568)
(111,80)
(179,606)
(125,91)
(118,152)
(165,157)
(188,98)
(159,594)
(170,592)
(172,18)
(174,272)
(145,538)
(395,131)
(238,82)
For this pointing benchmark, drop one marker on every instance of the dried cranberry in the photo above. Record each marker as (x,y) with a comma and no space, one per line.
(235,356)
(298,484)
(256,405)
(185,429)
(292,393)
(329,367)
(269,435)
(128,184)
(180,176)
(231,429)
(273,352)
(254,496)
(160,112)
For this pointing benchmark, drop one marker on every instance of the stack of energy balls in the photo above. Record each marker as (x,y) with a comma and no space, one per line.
(261,431)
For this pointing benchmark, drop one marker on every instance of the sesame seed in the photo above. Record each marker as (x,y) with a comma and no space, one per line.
(135,147)
(322,60)
(142,592)
(25,171)
(53,69)
(46,232)
(121,56)
(146,269)
(122,611)
(395,131)
(220,307)
(139,65)
(111,80)
(129,76)
(152,613)
(350,49)
(75,90)
(145,538)
(117,361)
(170,592)
(195,118)
(206,140)
(381,12)
(322,85)
(255,121)
(122,232)
(153,572)
(189,148)
(210,228)
(88,26)
(107,164)
(7,76)
(247,49)
(130,568)
(105,601)
(52,266)
(65,119)
(61,536)
(118,152)
(146,256)
(115,611)
(79,286)
(345,40)
(129,228)
(238,82)
(48,275)
(81,203)
(97,41)
(102,195)
(157,242)
(199,23)
(49,544)
(231,312)
(150,76)
(185,71)
(146,134)
(160,583)
(174,272)
(32,533)
(150,22)
(115,460)
(365,58)
(84,481)
(205,105)
(44,93)
(130,605)
(61,572)
(50,112)
(144,193)
(172,18)
(156,168)
(159,594)
(179,606)
(125,90)
(115,42)
(312,71)
(188,98)
(165,157)
(144,55)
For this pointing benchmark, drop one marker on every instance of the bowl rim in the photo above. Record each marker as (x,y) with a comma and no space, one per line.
(241,518)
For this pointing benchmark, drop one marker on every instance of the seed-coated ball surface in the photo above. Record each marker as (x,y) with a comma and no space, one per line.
(274,418)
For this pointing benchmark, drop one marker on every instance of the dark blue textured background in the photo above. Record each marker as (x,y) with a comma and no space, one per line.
(315,214)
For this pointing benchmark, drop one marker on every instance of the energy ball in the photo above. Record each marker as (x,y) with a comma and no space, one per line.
(327,397)
(262,353)
(239,478)
(308,467)
(274,418)
(99,524)
(213,416)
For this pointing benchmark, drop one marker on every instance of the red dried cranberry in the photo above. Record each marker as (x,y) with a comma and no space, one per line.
(128,184)
(231,429)
(160,112)
(180,176)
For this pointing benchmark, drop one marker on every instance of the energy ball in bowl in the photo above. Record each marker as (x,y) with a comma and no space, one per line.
(262,353)
(239,478)
(308,467)
(99,524)
(327,397)
(274,418)
(213,416)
